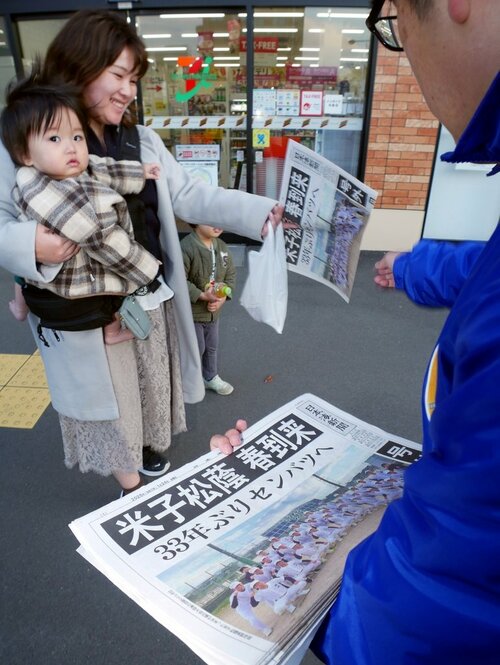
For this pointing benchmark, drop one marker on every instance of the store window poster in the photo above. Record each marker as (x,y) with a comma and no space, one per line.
(333,104)
(264,102)
(288,102)
(311,102)
(206,171)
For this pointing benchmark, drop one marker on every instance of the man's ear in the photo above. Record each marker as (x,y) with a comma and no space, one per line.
(459,10)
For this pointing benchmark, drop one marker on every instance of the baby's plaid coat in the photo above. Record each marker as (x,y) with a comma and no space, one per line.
(88,211)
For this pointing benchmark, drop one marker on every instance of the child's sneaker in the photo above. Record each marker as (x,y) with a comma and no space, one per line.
(219,386)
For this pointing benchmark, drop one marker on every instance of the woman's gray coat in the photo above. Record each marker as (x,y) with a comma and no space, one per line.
(76,365)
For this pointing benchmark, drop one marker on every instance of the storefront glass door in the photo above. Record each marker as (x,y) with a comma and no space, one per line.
(7,69)
(191,94)
(309,85)
(306,81)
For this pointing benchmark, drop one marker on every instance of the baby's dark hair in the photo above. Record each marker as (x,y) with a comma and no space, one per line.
(31,107)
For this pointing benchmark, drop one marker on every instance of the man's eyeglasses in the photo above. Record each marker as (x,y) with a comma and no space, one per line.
(385,28)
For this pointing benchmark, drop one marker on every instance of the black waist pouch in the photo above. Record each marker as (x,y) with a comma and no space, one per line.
(76,314)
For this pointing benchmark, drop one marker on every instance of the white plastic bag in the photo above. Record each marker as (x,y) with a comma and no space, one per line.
(265,294)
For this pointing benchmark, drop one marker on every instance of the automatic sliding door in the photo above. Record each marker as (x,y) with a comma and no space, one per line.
(194,94)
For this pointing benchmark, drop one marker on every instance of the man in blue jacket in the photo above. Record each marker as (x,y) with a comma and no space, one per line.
(425,587)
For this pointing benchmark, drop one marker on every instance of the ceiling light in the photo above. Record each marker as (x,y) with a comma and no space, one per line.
(226,64)
(166,48)
(305,48)
(340,15)
(192,15)
(284,48)
(315,30)
(169,59)
(300,57)
(352,32)
(280,64)
(221,34)
(165,36)
(189,35)
(281,57)
(274,14)
(221,48)
(273,29)
(227,57)
(354,59)
(360,50)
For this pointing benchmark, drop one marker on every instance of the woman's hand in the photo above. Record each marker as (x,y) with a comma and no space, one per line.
(384,268)
(273,219)
(227,442)
(51,248)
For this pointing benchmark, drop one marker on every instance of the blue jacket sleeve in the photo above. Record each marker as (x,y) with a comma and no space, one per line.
(434,272)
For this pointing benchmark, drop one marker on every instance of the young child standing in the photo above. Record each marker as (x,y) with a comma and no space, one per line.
(60,186)
(207,262)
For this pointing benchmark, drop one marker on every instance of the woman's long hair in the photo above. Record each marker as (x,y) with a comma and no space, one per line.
(87,44)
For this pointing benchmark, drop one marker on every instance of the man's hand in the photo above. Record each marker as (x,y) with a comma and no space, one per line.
(227,442)
(51,248)
(385,276)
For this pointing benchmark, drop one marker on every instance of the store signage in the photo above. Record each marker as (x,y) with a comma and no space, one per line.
(261,138)
(261,44)
(205,42)
(287,102)
(198,75)
(197,152)
(333,104)
(264,101)
(311,102)
(311,75)
(234,32)
(206,171)
(263,77)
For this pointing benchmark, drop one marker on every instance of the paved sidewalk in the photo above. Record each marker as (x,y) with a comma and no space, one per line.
(367,358)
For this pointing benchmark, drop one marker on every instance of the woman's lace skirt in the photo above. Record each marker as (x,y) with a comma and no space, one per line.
(148,387)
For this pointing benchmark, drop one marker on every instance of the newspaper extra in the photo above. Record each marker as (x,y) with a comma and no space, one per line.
(241,555)
(330,209)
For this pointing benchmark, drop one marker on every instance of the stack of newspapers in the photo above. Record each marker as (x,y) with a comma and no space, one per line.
(241,556)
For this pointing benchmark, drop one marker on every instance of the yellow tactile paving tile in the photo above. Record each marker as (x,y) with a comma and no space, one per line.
(10,363)
(22,407)
(24,395)
(30,375)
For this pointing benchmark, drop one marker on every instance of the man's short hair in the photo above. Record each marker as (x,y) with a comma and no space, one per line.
(421,7)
